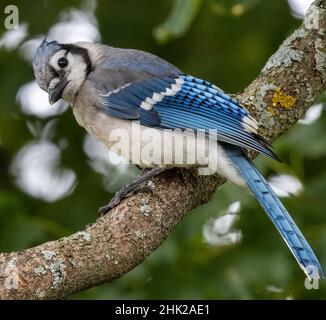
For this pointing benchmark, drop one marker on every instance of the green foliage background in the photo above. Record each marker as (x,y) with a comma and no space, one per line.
(226,42)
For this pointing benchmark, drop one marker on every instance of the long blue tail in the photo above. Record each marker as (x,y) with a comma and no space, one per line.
(276,212)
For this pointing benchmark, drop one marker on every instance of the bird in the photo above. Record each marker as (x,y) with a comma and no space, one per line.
(111,89)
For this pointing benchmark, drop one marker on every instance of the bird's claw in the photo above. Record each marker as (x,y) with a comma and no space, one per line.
(124,193)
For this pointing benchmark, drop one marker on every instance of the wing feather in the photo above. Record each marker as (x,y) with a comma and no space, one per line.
(186,102)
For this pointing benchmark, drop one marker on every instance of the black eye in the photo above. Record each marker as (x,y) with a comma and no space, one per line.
(62,62)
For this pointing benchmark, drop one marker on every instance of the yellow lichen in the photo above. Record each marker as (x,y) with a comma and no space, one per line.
(271,110)
(285,101)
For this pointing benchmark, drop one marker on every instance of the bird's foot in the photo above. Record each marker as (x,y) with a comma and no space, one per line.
(141,183)
(124,193)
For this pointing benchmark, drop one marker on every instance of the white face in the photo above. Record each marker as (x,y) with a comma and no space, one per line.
(73,68)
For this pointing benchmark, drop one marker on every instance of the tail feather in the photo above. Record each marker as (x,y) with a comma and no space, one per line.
(277,213)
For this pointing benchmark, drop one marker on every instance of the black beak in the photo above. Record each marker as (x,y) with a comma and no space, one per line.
(56,93)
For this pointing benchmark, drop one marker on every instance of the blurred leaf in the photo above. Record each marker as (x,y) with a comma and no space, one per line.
(308,139)
(233,7)
(179,20)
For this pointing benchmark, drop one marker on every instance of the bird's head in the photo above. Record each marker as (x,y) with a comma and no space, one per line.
(60,69)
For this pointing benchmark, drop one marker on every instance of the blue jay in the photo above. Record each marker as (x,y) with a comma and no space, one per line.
(111,88)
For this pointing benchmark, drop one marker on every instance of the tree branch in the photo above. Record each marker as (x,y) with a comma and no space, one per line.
(116,243)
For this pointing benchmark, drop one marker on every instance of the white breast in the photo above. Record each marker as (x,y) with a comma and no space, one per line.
(150,147)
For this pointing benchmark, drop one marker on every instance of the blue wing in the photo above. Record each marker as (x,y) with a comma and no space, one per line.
(186,102)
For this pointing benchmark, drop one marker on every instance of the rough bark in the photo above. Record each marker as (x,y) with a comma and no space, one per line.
(291,80)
